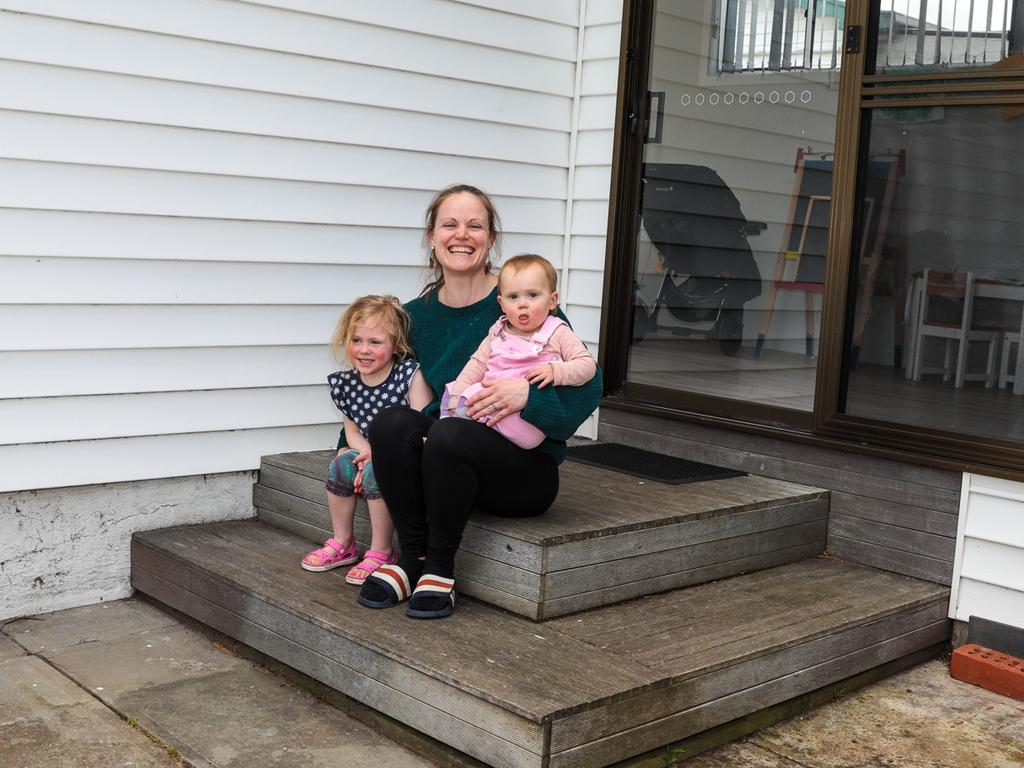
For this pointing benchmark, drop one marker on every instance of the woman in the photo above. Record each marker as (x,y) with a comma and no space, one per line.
(431,473)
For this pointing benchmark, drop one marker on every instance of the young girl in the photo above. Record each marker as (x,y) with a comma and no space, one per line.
(374,332)
(527,341)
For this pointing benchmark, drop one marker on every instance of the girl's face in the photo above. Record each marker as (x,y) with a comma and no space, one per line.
(371,351)
(526,297)
(461,235)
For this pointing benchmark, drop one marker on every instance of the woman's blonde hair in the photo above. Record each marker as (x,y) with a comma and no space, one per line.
(372,310)
(493,225)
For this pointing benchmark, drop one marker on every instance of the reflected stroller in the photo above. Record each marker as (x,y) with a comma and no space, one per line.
(709,273)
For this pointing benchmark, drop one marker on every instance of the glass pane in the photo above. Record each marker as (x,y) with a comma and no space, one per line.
(929,35)
(735,198)
(940,283)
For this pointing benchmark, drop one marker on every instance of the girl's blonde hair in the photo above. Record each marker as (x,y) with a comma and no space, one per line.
(524,260)
(372,310)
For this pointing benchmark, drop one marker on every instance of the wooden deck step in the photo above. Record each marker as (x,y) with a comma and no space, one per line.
(609,537)
(580,691)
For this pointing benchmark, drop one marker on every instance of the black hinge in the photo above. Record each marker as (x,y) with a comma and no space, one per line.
(630,55)
(853,38)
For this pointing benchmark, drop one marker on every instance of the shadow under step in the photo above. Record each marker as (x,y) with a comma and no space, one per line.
(581,691)
(608,537)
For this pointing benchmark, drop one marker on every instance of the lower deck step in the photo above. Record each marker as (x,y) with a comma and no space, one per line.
(608,537)
(580,691)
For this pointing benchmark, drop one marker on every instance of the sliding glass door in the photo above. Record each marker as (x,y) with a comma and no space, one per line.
(817,221)
(937,279)
(733,196)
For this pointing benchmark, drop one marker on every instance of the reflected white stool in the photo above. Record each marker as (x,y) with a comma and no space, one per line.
(1017,376)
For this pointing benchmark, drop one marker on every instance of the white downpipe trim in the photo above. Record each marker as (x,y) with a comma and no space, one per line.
(570,189)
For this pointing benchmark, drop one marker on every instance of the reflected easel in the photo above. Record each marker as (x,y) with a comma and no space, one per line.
(800,265)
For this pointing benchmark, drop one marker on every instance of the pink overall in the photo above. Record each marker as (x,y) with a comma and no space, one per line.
(512,357)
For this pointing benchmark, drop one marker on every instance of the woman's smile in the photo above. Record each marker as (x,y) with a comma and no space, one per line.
(461,236)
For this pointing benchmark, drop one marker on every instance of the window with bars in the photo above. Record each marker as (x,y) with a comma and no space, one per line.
(787,35)
(936,34)
(779,35)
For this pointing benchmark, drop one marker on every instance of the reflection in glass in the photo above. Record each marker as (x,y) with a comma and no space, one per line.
(940,302)
(735,198)
(919,35)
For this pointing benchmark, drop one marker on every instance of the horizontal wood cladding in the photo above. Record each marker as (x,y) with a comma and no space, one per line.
(989,577)
(59,186)
(87,462)
(93,417)
(83,326)
(142,100)
(582,691)
(62,373)
(894,516)
(62,281)
(191,192)
(130,238)
(91,141)
(277,50)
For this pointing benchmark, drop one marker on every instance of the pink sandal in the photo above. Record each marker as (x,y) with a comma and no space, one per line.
(372,560)
(331,555)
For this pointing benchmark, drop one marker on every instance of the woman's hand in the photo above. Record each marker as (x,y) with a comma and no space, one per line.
(497,399)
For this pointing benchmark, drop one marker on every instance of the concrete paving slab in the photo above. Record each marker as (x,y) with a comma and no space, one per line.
(921,718)
(88,624)
(9,649)
(45,719)
(213,707)
(247,717)
(141,660)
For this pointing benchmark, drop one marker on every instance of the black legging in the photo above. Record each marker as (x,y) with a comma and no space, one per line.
(432,487)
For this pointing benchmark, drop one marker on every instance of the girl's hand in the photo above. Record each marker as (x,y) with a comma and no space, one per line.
(360,461)
(542,375)
(497,399)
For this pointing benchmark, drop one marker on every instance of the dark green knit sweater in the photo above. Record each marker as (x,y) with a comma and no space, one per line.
(443,338)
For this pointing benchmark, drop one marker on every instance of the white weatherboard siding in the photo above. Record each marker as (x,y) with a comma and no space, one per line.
(988,572)
(590,173)
(192,190)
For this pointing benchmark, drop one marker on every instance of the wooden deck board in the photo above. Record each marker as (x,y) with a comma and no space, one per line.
(608,537)
(692,631)
(577,692)
(501,658)
(679,725)
(681,695)
(424,704)
(595,503)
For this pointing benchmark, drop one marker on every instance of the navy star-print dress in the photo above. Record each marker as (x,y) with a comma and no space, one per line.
(361,403)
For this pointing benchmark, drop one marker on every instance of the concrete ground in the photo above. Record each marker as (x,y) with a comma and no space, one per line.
(124,684)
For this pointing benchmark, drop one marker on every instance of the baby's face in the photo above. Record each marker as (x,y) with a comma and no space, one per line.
(526,297)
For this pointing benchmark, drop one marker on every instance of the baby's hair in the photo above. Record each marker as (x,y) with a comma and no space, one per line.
(524,260)
(372,310)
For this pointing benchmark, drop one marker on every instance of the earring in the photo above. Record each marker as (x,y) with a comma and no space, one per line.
(432,263)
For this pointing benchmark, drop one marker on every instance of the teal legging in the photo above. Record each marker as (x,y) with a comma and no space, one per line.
(341,476)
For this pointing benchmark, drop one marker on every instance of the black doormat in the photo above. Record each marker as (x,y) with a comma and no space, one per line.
(648,465)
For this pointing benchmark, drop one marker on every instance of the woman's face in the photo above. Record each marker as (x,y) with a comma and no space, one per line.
(461,235)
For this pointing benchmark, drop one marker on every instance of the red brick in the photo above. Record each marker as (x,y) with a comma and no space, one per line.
(999,672)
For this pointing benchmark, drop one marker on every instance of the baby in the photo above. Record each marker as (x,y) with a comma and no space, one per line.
(529,341)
